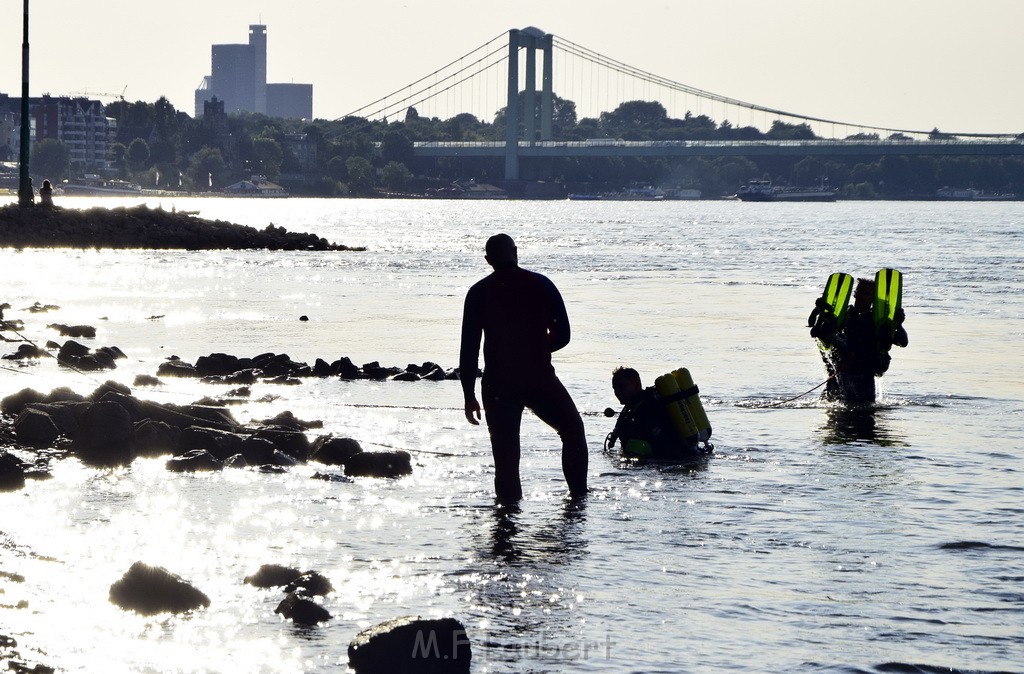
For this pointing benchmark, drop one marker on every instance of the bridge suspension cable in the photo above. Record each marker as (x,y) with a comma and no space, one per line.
(383,108)
(631,71)
(459,73)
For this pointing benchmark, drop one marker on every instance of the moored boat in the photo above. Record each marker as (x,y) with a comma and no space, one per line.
(971,194)
(629,194)
(92,185)
(765,190)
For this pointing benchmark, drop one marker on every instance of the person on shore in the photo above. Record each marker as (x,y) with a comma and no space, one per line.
(855,359)
(46,195)
(644,429)
(521,318)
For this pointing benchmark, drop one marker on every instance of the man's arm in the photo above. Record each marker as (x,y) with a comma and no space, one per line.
(899,336)
(559,331)
(469,353)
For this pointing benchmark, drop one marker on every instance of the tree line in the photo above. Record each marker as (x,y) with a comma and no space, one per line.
(158,146)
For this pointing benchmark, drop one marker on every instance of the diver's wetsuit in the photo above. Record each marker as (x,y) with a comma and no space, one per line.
(521,317)
(645,419)
(856,361)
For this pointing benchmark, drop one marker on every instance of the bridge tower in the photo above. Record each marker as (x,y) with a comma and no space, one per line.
(532,39)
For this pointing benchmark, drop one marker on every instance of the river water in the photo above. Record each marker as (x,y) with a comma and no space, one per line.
(816,539)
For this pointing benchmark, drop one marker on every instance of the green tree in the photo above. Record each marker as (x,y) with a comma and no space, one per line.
(267,157)
(782,131)
(360,174)
(336,168)
(50,157)
(395,176)
(118,155)
(632,118)
(396,147)
(165,120)
(207,168)
(138,154)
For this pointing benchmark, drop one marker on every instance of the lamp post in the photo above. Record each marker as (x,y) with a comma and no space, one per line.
(25,195)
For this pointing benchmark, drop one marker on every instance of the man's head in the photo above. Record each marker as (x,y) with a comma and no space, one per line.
(864,294)
(501,251)
(626,384)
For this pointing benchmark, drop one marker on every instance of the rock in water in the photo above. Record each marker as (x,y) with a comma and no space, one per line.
(413,646)
(302,611)
(273,575)
(153,589)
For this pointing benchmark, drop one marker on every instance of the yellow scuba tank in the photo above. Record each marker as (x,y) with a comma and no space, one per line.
(675,405)
(690,392)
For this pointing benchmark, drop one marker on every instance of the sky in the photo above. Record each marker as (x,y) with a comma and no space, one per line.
(907,64)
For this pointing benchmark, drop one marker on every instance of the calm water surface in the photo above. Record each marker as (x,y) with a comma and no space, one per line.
(816,539)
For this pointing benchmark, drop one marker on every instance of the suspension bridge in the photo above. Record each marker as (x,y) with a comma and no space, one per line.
(502,75)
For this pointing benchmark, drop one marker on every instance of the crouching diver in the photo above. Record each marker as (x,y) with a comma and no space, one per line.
(658,422)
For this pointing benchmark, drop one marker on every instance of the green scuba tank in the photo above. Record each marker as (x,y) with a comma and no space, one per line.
(679,395)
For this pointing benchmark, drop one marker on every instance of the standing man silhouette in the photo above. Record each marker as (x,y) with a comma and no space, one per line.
(521,317)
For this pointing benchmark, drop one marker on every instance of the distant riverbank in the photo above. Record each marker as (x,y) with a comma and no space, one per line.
(143,227)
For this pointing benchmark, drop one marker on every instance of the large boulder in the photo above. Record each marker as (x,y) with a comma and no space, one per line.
(272,575)
(149,590)
(221,444)
(105,435)
(156,438)
(293,443)
(77,331)
(12,472)
(71,350)
(198,460)
(334,451)
(64,413)
(345,368)
(310,583)
(65,394)
(146,380)
(213,417)
(259,451)
(176,368)
(412,646)
(288,420)
(36,428)
(108,387)
(16,402)
(133,406)
(379,464)
(276,365)
(302,611)
(26,351)
(219,364)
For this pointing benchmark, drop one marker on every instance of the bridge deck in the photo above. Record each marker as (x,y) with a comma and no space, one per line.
(705,148)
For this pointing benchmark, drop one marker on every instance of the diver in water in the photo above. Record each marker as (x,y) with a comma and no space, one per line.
(856,354)
(644,429)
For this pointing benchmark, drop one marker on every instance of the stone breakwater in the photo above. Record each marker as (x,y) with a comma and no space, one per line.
(142,227)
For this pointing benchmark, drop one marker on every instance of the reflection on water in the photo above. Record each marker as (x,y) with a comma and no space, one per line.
(525,587)
(557,542)
(865,424)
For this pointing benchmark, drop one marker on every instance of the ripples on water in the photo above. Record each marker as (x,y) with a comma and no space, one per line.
(816,539)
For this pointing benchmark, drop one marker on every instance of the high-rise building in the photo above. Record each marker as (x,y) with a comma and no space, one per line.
(290,100)
(80,123)
(238,77)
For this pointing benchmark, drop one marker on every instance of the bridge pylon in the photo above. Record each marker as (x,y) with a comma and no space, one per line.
(533,40)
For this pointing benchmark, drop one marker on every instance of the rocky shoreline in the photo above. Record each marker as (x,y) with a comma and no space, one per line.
(111,426)
(142,227)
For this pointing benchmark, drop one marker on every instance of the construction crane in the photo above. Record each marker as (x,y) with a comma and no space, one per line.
(98,94)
